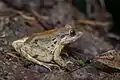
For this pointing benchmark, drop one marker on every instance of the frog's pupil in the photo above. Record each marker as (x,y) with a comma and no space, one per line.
(36,41)
(72,33)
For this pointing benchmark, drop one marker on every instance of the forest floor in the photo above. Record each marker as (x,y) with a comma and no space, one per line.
(14,67)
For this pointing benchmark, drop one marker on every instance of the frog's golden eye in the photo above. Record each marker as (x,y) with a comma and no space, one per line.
(72,32)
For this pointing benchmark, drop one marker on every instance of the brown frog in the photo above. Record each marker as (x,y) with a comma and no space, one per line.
(45,47)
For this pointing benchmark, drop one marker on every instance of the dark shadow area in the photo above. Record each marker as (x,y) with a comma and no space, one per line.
(113,7)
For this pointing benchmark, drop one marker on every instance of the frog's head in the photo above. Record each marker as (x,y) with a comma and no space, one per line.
(70,36)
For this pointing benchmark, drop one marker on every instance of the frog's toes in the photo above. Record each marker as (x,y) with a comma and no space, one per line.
(69,62)
(47,67)
(65,54)
(51,65)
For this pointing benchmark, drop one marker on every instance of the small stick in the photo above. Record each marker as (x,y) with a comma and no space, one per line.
(93,23)
(25,17)
(12,55)
(40,20)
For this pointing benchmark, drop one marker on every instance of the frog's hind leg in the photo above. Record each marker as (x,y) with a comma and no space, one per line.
(30,58)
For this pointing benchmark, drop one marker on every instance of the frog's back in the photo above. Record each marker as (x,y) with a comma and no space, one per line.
(43,44)
(48,39)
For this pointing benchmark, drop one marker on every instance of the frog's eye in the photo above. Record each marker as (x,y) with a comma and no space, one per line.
(72,32)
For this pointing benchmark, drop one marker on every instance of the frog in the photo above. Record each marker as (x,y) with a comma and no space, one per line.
(109,59)
(45,47)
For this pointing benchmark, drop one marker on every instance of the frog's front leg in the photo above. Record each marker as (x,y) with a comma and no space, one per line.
(57,57)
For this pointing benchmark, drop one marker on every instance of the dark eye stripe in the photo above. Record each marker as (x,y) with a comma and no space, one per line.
(62,36)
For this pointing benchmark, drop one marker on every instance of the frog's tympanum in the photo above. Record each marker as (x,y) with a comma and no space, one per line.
(45,47)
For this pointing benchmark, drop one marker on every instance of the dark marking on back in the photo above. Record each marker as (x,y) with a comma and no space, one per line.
(35,56)
(55,42)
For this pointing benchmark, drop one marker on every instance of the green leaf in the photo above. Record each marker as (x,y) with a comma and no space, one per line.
(82,62)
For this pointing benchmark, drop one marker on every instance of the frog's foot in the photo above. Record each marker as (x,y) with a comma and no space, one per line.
(65,54)
(69,62)
(62,62)
(51,65)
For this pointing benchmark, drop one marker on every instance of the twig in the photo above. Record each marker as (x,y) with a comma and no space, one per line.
(93,23)
(25,17)
(40,19)
(12,55)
